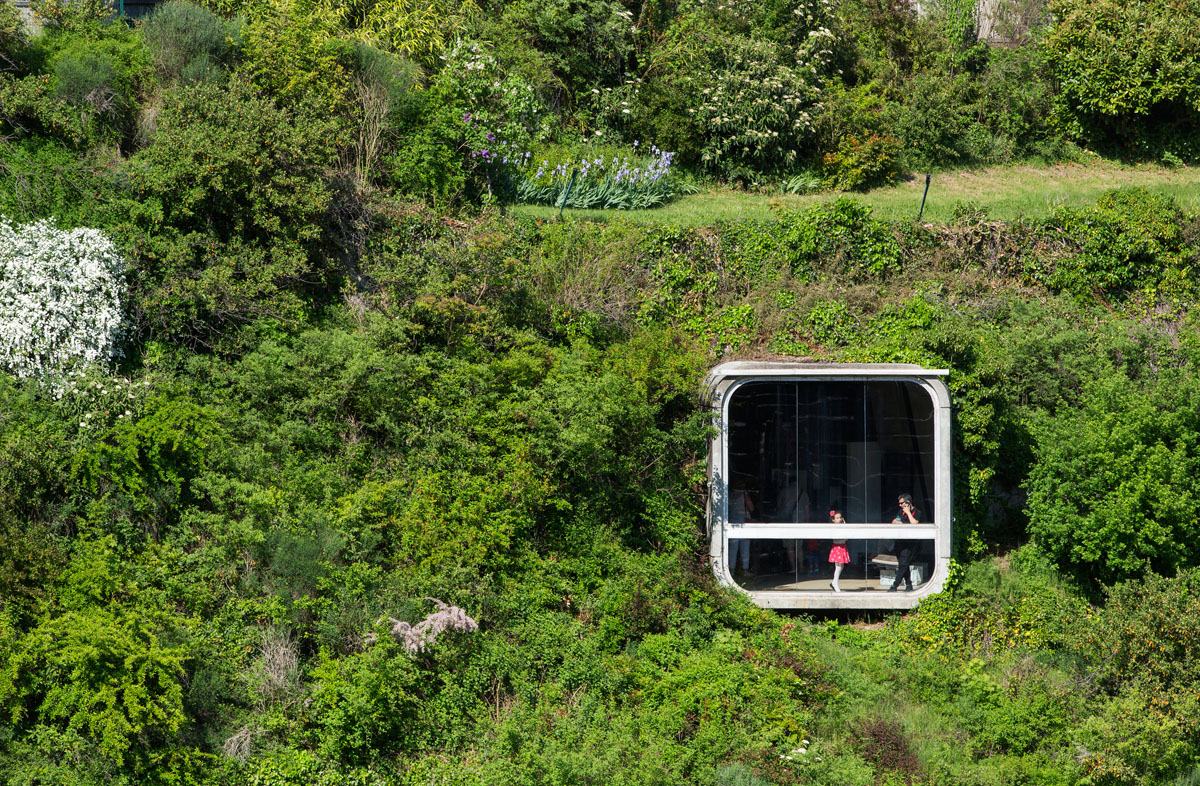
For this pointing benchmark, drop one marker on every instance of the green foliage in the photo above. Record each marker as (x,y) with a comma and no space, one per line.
(431,162)
(1147,631)
(860,165)
(189,42)
(13,37)
(839,237)
(364,705)
(959,22)
(1131,240)
(585,43)
(452,521)
(598,177)
(1014,109)
(296,51)
(478,103)
(74,16)
(197,565)
(756,113)
(146,466)
(1114,492)
(306,768)
(34,452)
(995,611)
(414,29)
(830,322)
(1144,648)
(86,79)
(1128,74)
(101,77)
(48,179)
(232,199)
(28,107)
(103,675)
(935,126)
(229,161)
(663,108)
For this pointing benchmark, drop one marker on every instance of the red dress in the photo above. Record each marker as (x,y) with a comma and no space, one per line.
(839,554)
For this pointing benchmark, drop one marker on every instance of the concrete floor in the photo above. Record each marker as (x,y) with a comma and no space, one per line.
(851,581)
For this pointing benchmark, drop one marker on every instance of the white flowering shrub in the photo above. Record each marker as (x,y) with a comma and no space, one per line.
(503,103)
(98,401)
(759,111)
(60,299)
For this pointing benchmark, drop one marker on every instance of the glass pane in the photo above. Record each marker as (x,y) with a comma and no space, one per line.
(798,451)
(809,565)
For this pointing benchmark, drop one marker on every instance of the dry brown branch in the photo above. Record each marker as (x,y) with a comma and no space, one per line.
(416,638)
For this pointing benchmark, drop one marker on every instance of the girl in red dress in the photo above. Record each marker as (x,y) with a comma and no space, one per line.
(838,554)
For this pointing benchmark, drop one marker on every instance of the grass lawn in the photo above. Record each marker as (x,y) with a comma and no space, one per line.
(1004,192)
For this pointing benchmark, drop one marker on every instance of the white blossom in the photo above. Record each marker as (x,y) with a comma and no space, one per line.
(60,299)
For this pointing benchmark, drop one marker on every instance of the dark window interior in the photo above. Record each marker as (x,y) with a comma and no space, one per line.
(801,449)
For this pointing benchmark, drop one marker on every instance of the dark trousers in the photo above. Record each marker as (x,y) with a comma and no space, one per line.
(904,555)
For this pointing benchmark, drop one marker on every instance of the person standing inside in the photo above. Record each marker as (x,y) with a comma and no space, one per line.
(838,555)
(812,556)
(908,514)
(741,511)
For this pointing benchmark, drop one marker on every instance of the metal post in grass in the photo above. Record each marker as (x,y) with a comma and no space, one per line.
(921,212)
(567,195)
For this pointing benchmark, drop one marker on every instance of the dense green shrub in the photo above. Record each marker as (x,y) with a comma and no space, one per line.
(416,30)
(585,43)
(104,680)
(1014,109)
(431,162)
(934,123)
(502,413)
(1147,631)
(34,456)
(459,135)
(45,179)
(296,51)
(85,79)
(662,107)
(232,200)
(1115,490)
(189,42)
(13,37)
(1128,74)
(1132,239)
(102,78)
(756,112)
(144,469)
(840,238)
(1143,647)
(29,108)
(862,164)
(989,611)
(364,706)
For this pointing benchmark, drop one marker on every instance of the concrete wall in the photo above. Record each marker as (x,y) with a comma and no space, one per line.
(26,12)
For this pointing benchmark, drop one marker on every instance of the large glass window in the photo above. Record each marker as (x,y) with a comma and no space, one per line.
(811,564)
(799,450)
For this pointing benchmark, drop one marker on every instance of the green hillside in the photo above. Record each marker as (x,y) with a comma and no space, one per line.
(328,455)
